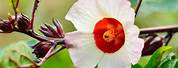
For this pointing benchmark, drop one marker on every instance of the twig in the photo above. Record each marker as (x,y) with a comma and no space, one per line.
(17,4)
(36,36)
(138,7)
(172,28)
(56,51)
(40,38)
(33,11)
(15,7)
(168,37)
(32,34)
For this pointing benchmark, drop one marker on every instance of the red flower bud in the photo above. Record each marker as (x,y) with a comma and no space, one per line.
(6,27)
(41,48)
(23,23)
(53,32)
(59,28)
(152,43)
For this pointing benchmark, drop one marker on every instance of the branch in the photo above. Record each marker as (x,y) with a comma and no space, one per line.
(16,9)
(15,6)
(41,38)
(168,37)
(172,28)
(138,7)
(36,36)
(34,10)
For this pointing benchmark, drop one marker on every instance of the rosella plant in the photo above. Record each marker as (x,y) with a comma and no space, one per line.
(106,36)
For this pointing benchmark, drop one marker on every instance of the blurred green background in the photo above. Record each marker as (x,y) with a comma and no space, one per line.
(152,13)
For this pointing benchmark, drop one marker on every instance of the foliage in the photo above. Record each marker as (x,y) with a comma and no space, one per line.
(60,60)
(17,54)
(156,57)
(164,57)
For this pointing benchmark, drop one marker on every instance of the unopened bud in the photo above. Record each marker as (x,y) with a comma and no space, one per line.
(23,23)
(49,31)
(6,27)
(152,43)
(41,49)
(59,28)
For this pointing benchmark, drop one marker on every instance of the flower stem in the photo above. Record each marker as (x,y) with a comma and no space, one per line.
(36,36)
(168,37)
(41,38)
(34,10)
(17,4)
(138,7)
(172,28)
(56,51)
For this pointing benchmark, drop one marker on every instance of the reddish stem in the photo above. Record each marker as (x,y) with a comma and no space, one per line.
(138,7)
(34,10)
(172,28)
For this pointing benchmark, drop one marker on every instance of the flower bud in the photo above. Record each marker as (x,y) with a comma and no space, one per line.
(53,32)
(23,23)
(59,28)
(6,27)
(152,43)
(41,48)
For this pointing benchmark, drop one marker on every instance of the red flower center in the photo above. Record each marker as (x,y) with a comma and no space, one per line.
(109,35)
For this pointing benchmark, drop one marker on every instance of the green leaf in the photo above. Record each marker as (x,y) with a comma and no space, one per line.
(168,64)
(16,54)
(144,60)
(176,64)
(156,57)
(25,61)
(169,61)
(60,60)
(137,66)
(32,42)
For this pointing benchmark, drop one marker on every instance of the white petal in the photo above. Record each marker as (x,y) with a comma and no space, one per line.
(116,60)
(83,53)
(119,9)
(134,45)
(132,31)
(84,14)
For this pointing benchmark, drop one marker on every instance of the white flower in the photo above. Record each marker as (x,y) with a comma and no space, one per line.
(106,35)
